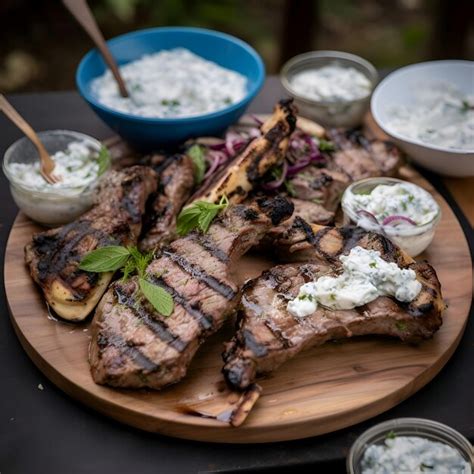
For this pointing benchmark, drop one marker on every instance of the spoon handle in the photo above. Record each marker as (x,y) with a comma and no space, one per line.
(21,123)
(82,13)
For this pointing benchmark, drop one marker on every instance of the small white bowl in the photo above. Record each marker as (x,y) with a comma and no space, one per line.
(413,240)
(50,206)
(347,113)
(398,89)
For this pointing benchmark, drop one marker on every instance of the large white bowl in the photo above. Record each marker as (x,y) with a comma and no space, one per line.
(399,88)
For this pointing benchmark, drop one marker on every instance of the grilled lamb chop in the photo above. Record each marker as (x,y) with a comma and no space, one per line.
(359,157)
(53,256)
(320,186)
(175,184)
(268,335)
(133,345)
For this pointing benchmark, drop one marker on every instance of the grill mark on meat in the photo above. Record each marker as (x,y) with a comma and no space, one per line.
(251,343)
(155,325)
(277,332)
(316,241)
(300,223)
(133,352)
(204,320)
(208,244)
(350,237)
(201,275)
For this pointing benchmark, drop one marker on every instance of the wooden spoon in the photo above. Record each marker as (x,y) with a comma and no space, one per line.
(82,13)
(46,162)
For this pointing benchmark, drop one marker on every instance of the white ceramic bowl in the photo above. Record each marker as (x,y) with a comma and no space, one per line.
(399,88)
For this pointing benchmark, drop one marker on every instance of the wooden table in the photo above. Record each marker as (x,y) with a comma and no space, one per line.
(45,430)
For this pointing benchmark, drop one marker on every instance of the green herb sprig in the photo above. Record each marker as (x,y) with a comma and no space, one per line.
(129,260)
(197,155)
(104,160)
(199,215)
(325,145)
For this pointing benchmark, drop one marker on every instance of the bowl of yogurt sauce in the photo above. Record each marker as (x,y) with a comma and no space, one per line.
(80,162)
(183,83)
(410,445)
(404,212)
(428,110)
(331,87)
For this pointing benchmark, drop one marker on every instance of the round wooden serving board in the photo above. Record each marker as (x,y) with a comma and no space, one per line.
(322,390)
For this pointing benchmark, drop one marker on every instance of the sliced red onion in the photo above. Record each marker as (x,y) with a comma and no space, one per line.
(254,132)
(217,146)
(215,158)
(257,120)
(272,185)
(298,166)
(390,219)
(368,215)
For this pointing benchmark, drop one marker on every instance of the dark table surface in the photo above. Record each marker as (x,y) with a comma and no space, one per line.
(46,431)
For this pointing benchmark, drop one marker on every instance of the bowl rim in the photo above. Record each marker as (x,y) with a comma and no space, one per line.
(377,95)
(415,424)
(251,93)
(57,193)
(372,75)
(394,232)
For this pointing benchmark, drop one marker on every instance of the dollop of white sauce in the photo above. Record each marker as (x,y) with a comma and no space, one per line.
(171,83)
(77,166)
(401,199)
(439,115)
(332,83)
(365,276)
(412,454)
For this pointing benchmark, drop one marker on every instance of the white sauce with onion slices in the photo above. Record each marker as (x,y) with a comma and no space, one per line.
(171,83)
(364,278)
(439,115)
(331,83)
(412,454)
(385,202)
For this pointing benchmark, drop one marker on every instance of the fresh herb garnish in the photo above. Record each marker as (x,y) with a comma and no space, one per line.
(466,106)
(199,215)
(104,160)
(290,189)
(391,435)
(317,200)
(325,145)
(373,264)
(105,259)
(196,153)
(161,300)
(130,260)
(424,466)
(401,326)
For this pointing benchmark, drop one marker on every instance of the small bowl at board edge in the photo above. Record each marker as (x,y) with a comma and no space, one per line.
(423,428)
(50,207)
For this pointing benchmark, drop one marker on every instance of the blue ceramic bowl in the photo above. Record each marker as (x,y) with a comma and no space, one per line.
(149,133)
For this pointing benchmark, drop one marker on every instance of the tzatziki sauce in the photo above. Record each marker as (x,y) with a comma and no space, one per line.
(401,199)
(331,83)
(171,83)
(77,166)
(412,454)
(440,114)
(365,276)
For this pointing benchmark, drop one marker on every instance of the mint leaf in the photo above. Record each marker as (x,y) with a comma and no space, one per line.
(105,259)
(141,260)
(160,299)
(325,145)
(104,160)
(391,435)
(196,153)
(199,215)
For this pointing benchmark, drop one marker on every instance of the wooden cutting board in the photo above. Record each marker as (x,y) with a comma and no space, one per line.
(321,390)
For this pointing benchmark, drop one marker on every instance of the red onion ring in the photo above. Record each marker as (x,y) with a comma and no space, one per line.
(368,215)
(388,220)
(272,185)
